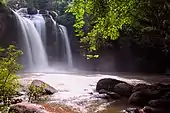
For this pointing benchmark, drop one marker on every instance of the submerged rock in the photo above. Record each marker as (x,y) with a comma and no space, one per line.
(27,108)
(107,84)
(123,89)
(112,95)
(48,89)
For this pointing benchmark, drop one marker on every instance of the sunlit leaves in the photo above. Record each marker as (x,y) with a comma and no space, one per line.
(104,18)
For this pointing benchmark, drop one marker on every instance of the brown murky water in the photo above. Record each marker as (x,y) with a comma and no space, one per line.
(77,90)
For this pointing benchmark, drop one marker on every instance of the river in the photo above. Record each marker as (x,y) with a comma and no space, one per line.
(77,90)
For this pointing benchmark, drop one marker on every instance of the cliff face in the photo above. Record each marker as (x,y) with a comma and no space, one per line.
(8,31)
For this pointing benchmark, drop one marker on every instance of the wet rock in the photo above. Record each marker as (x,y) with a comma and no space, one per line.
(123,89)
(15,101)
(160,103)
(26,108)
(148,109)
(112,95)
(32,11)
(143,87)
(48,89)
(131,110)
(151,90)
(53,14)
(103,96)
(166,96)
(139,98)
(107,84)
(45,12)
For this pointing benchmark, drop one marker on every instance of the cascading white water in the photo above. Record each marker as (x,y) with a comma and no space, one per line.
(34,51)
(39,23)
(63,31)
(34,41)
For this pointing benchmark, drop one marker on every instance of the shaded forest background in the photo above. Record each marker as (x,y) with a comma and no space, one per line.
(128,36)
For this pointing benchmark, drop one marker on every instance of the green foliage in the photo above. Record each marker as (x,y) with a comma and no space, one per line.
(35,92)
(3,1)
(98,20)
(8,68)
(61,6)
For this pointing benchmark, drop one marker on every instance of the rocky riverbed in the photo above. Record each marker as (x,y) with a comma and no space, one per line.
(96,93)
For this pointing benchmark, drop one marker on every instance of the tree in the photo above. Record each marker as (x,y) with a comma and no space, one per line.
(98,20)
(3,1)
(8,69)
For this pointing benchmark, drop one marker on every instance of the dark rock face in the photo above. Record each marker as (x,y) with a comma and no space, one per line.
(32,11)
(148,109)
(107,84)
(160,103)
(53,14)
(45,12)
(8,27)
(166,96)
(123,89)
(48,89)
(27,108)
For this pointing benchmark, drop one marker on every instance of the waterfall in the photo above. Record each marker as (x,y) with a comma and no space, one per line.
(64,34)
(35,55)
(39,23)
(34,42)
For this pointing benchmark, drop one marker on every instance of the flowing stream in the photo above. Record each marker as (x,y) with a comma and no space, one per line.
(78,89)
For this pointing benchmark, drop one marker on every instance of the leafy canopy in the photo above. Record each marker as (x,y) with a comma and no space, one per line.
(98,20)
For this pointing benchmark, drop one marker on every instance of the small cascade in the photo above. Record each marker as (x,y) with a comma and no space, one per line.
(35,55)
(64,34)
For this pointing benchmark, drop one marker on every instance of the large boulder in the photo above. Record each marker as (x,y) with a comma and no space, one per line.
(32,11)
(47,89)
(26,108)
(151,90)
(123,89)
(45,12)
(107,84)
(139,98)
(160,103)
(143,87)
